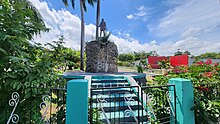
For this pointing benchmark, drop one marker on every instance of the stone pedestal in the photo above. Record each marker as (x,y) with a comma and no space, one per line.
(101,57)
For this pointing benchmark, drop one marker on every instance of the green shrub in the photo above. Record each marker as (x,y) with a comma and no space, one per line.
(140,68)
(24,64)
(123,63)
(205,77)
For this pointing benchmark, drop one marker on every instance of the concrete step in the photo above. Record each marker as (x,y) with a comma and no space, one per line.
(104,85)
(109,81)
(113,98)
(120,91)
(118,108)
(124,116)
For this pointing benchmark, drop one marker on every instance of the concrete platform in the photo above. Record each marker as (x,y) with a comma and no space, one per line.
(139,77)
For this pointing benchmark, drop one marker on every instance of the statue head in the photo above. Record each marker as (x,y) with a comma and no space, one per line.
(102,19)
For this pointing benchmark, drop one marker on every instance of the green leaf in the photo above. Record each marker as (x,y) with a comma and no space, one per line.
(11,75)
(26,91)
(19,86)
(6,36)
(28,95)
(15,84)
(11,83)
(27,84)
(3,51)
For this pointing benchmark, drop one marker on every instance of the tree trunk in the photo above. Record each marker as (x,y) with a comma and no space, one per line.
(97,18)
(82,36)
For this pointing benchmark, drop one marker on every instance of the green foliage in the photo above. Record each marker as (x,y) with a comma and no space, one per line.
(23,17)
(178,53)
(206,80)
(208,55)
(72,58)
(187,52)
(181,53)
(136,56)
(159,103)
(91,2)
(140,68)
(144,55)
(122,63)
(164,64)
(23,64)
(126,57)
(143,62)
(96,116)
(63,56)
(104,40)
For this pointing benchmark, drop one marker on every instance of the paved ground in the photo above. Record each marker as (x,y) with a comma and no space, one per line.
(81,73)
(122,70)
(126,69)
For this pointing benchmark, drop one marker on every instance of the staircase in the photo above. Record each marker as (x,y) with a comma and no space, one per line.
(116,100)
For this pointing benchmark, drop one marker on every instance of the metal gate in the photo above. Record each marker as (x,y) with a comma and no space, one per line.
(34,106)
(132,105)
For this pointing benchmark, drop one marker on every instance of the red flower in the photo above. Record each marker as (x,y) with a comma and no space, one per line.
(208,62)
(200,63)
(203,88)
(176,70)
(208,74)
(216,64)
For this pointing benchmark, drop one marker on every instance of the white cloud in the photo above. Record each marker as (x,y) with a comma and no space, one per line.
(141,8)
(142,13)
(192,14)
(193,25)
(183,20)
(190,31)
(131,45)
(130,16)
(154,42)
(62,22)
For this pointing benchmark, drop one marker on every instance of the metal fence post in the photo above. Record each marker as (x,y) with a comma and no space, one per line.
(77,102)
(184,100)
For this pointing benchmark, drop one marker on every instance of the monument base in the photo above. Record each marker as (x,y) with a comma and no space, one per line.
(101,57)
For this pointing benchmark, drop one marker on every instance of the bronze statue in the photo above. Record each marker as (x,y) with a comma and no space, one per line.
(102,26)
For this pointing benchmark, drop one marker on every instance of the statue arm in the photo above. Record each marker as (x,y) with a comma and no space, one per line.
(100,24)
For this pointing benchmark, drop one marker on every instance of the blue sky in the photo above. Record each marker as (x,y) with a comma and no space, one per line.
(126,17)
(140,25)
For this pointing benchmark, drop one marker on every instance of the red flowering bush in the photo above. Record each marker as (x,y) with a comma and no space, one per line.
(216,64)
(205,77)
(208,62)
(200,63)
(208,74)
(203,88)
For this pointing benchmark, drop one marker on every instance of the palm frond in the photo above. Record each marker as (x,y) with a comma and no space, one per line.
(65,2)
(73,3)
(91,2)
(84,5)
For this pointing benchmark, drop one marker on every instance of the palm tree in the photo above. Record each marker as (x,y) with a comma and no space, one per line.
(97,18)
(82,9)
(82,36)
